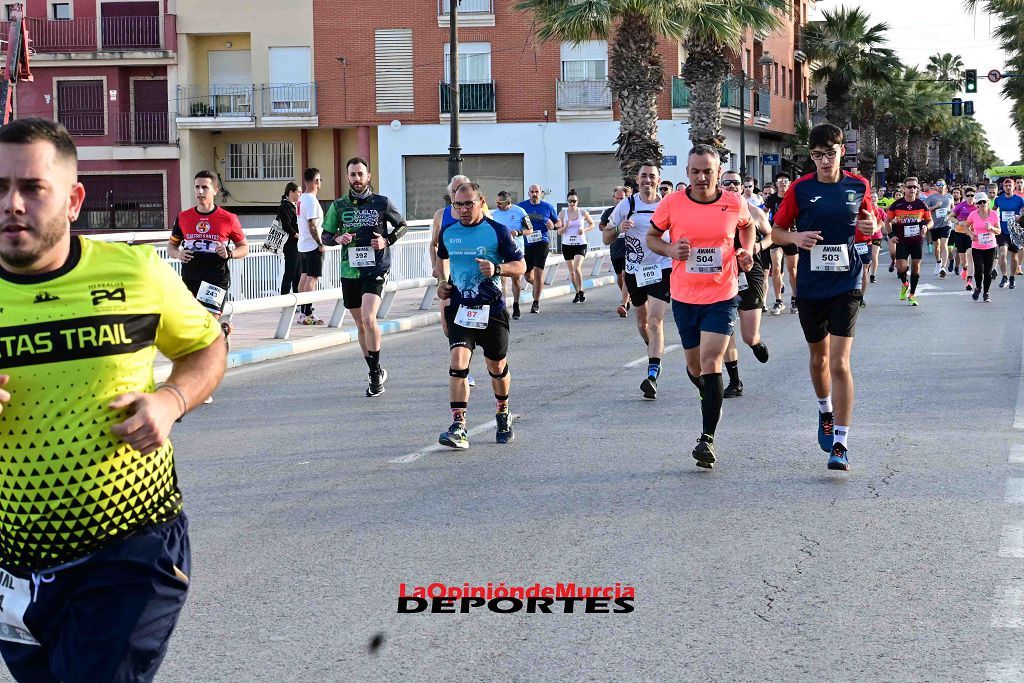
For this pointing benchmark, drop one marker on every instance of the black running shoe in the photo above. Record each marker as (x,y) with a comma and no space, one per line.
(704,451)
(583,297)
(760,352)
(515,310)
(504,433)
(892,266)
(576,298)
(871,279)
(455,437)
(1002,283)
(650,387)
(733,390)
(535,308)
(376,383)
(792,304)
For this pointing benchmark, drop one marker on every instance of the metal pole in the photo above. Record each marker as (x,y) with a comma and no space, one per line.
(454,149)
(743,126)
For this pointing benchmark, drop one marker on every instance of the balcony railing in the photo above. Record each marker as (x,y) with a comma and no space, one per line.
(763,103)
(289,99)
(116,34)
(583,95)
(91,123)
(474,98)
(467,7)
(216,100)
(143,128)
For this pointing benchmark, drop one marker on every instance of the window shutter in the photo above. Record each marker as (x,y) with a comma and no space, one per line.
(393,49)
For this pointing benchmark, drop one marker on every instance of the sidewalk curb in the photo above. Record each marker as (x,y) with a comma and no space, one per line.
(285,348)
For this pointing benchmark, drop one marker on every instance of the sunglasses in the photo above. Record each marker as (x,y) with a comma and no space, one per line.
(911,187)
(727,183)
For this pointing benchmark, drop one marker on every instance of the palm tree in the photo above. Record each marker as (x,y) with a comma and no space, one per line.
(1011,35)
(948,69)
(714,31)
(844,50)
(636,74)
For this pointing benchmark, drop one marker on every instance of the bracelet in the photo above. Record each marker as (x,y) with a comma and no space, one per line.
(176,390)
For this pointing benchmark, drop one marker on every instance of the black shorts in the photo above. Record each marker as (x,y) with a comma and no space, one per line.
(493,340)
(906,251)
(659,290)
(536,255)
(961,241)
(618,264)
(1004,241)
(353,289)
(311,263)
(571,251)
(194,285)
(876,242)
(939,233)
(790,249)
(836,315)
(752,298)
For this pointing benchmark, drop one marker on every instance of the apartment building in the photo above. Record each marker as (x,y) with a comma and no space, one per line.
(530,113)
(101,68)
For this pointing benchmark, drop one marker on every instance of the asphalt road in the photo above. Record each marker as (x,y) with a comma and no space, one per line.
(770,567)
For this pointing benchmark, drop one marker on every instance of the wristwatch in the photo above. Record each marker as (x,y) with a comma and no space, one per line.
(497,269)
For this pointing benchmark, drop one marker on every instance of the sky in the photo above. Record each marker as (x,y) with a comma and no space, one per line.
(919,28)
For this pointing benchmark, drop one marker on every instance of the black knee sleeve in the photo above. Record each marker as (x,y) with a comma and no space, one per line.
(504,373)
(462,374)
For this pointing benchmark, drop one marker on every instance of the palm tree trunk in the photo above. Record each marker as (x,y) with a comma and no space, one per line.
(868,148)
(636,78)
(706,68)
(918,151)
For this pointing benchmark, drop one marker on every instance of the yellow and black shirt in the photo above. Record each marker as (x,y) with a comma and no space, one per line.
(72,340)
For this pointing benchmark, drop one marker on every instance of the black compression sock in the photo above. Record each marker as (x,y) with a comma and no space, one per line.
(733,367)
(711,401)
(369,362)
(903,277)
(373,360)
(697,381)
(914,279)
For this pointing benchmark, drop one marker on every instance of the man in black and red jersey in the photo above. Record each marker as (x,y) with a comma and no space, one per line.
(200,240)
(907,220)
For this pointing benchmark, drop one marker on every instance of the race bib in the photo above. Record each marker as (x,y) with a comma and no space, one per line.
(862,248)
(473,318)
(941,213)
(15,597)
(361,257)
(742,281)
(704,260)
(1008,217)
(648,275)
(211,295)
(574,240)
(911,230)
(534,237)
(830,258)
(986,239)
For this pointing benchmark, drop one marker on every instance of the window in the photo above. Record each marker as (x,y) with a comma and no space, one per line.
(393,63)
(424,180)
(592,174)
(8,12)
(261,161)
(587,61)
(290,87)
(474,63)
(748,66)
(777,81)
(80,107)
(60,11)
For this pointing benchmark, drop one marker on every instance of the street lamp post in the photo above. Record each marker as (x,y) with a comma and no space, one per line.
(454,148)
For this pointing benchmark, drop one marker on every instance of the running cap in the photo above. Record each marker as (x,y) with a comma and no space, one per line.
(980,197)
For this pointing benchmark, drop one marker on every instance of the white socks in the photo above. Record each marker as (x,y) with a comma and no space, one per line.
(825,404)
(839,434)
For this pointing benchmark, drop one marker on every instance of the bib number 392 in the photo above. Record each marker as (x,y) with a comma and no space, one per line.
(704,260)
(830,258)
(15,597)
(473,318)
(361,257)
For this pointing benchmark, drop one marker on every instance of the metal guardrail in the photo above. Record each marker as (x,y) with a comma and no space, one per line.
(474,98)
(216,100)
(288,99)
(466,7)
(116,34)
(144,128)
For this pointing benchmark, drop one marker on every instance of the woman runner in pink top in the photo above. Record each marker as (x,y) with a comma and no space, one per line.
(983,225)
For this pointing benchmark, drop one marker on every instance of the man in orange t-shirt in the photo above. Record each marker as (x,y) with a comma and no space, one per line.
(702,224)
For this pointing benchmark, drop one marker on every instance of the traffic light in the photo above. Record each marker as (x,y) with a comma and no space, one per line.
(969,108)
(958,108)
(971,80)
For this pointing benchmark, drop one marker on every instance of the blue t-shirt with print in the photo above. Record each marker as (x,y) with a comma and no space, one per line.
(462,245)
(539,215)
(1008,209)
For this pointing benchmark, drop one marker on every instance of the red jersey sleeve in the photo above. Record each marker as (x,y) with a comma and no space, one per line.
(867,203)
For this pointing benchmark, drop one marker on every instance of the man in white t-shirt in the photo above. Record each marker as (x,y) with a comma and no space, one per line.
(311,247)
(647,273)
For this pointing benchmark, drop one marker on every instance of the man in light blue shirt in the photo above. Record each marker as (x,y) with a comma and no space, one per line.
(515,219)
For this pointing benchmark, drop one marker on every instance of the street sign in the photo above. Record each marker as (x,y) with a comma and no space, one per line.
(668,160)
(994,75)
(771,160)
(851,148)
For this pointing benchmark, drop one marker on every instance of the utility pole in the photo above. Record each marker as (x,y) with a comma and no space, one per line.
(454,149)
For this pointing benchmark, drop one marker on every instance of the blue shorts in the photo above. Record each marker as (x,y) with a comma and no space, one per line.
(108,617)
(692,319)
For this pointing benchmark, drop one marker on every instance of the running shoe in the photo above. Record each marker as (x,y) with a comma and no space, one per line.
(383,375)
(504,433)
(455,437)
(208,400)
(912,299)
(515,310)
(977,293)
(778,307)
(963,273)
(792,304)
(825,424)
(535,308)
(733,390)
(903,292)
(470,381)
(1002,283)
(375,385)
(951,265)
(987,299)
(871,279)
(993,273)
(839,460)
(300,318)
(1012,285)
(704,451)
(583,297)
(650,387)
(892,266)
(760,352)
(863,304)
(621,310)
(969,286)
(576,298)
(942,274)
(312,320)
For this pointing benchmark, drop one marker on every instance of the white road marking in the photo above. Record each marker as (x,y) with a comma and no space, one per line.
(643,359)
(1015,491)
(1011,671)
(436,448)
(1009,611)
(1011,543)
(1017,454)
(1018,416)
(964,293)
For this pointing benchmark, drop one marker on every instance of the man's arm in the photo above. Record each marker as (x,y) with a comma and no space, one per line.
(392,216)
(656,243)
(762,238)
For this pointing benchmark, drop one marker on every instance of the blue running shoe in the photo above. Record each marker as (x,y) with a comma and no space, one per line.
(455,437)
(839,460)
(825,424)
(504,434)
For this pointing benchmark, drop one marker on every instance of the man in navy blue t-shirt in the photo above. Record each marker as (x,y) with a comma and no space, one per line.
(543,218)
(1008,207)
(828,207)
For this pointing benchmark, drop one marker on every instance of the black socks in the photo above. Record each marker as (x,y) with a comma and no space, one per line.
(711,402)
(733,368)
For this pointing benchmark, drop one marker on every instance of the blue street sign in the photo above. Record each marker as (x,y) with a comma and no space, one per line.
(771,160)
(668,161)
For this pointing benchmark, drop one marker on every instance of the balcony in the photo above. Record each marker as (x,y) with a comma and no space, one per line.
(800,113)
(289,104)
(474,99)
(143,129)
(763,104)
(730,102)
(578,100)
(110,34)
(471,13)
(216,106)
